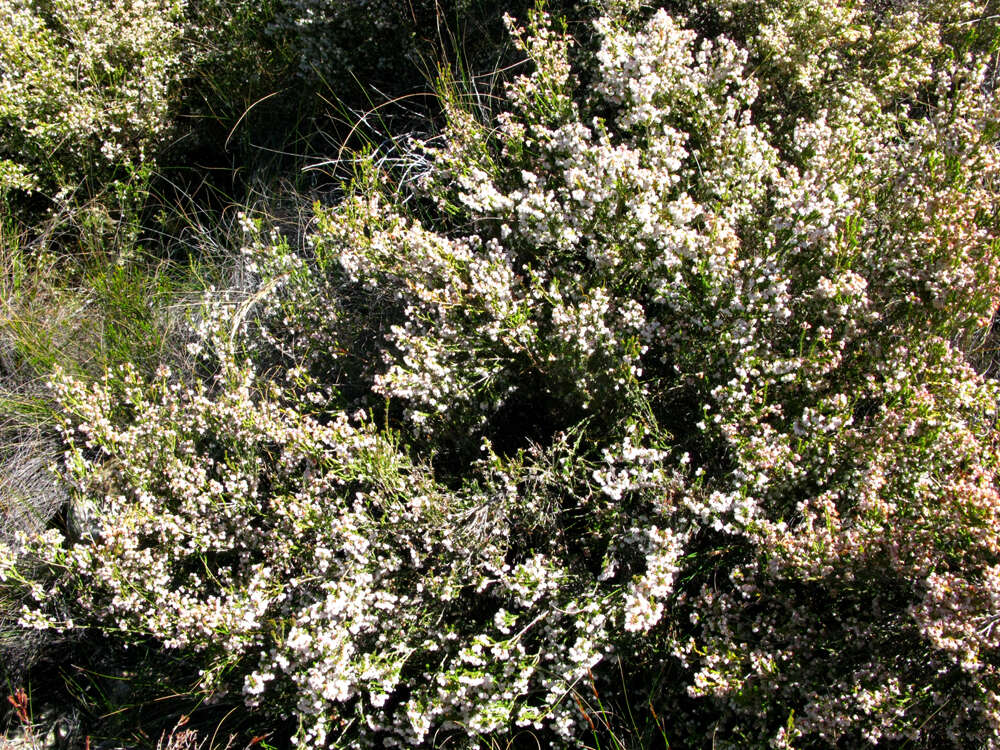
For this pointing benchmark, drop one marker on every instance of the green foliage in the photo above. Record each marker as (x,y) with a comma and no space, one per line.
(85,94)
(637,405)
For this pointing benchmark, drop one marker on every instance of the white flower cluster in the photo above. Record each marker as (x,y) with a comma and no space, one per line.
(689,360)
(84,87)
(313,553)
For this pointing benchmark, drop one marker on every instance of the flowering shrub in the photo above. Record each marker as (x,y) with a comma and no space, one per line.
(662,388)
(84,90)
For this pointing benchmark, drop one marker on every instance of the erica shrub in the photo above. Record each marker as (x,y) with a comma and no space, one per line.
(84,97)
(653,407)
